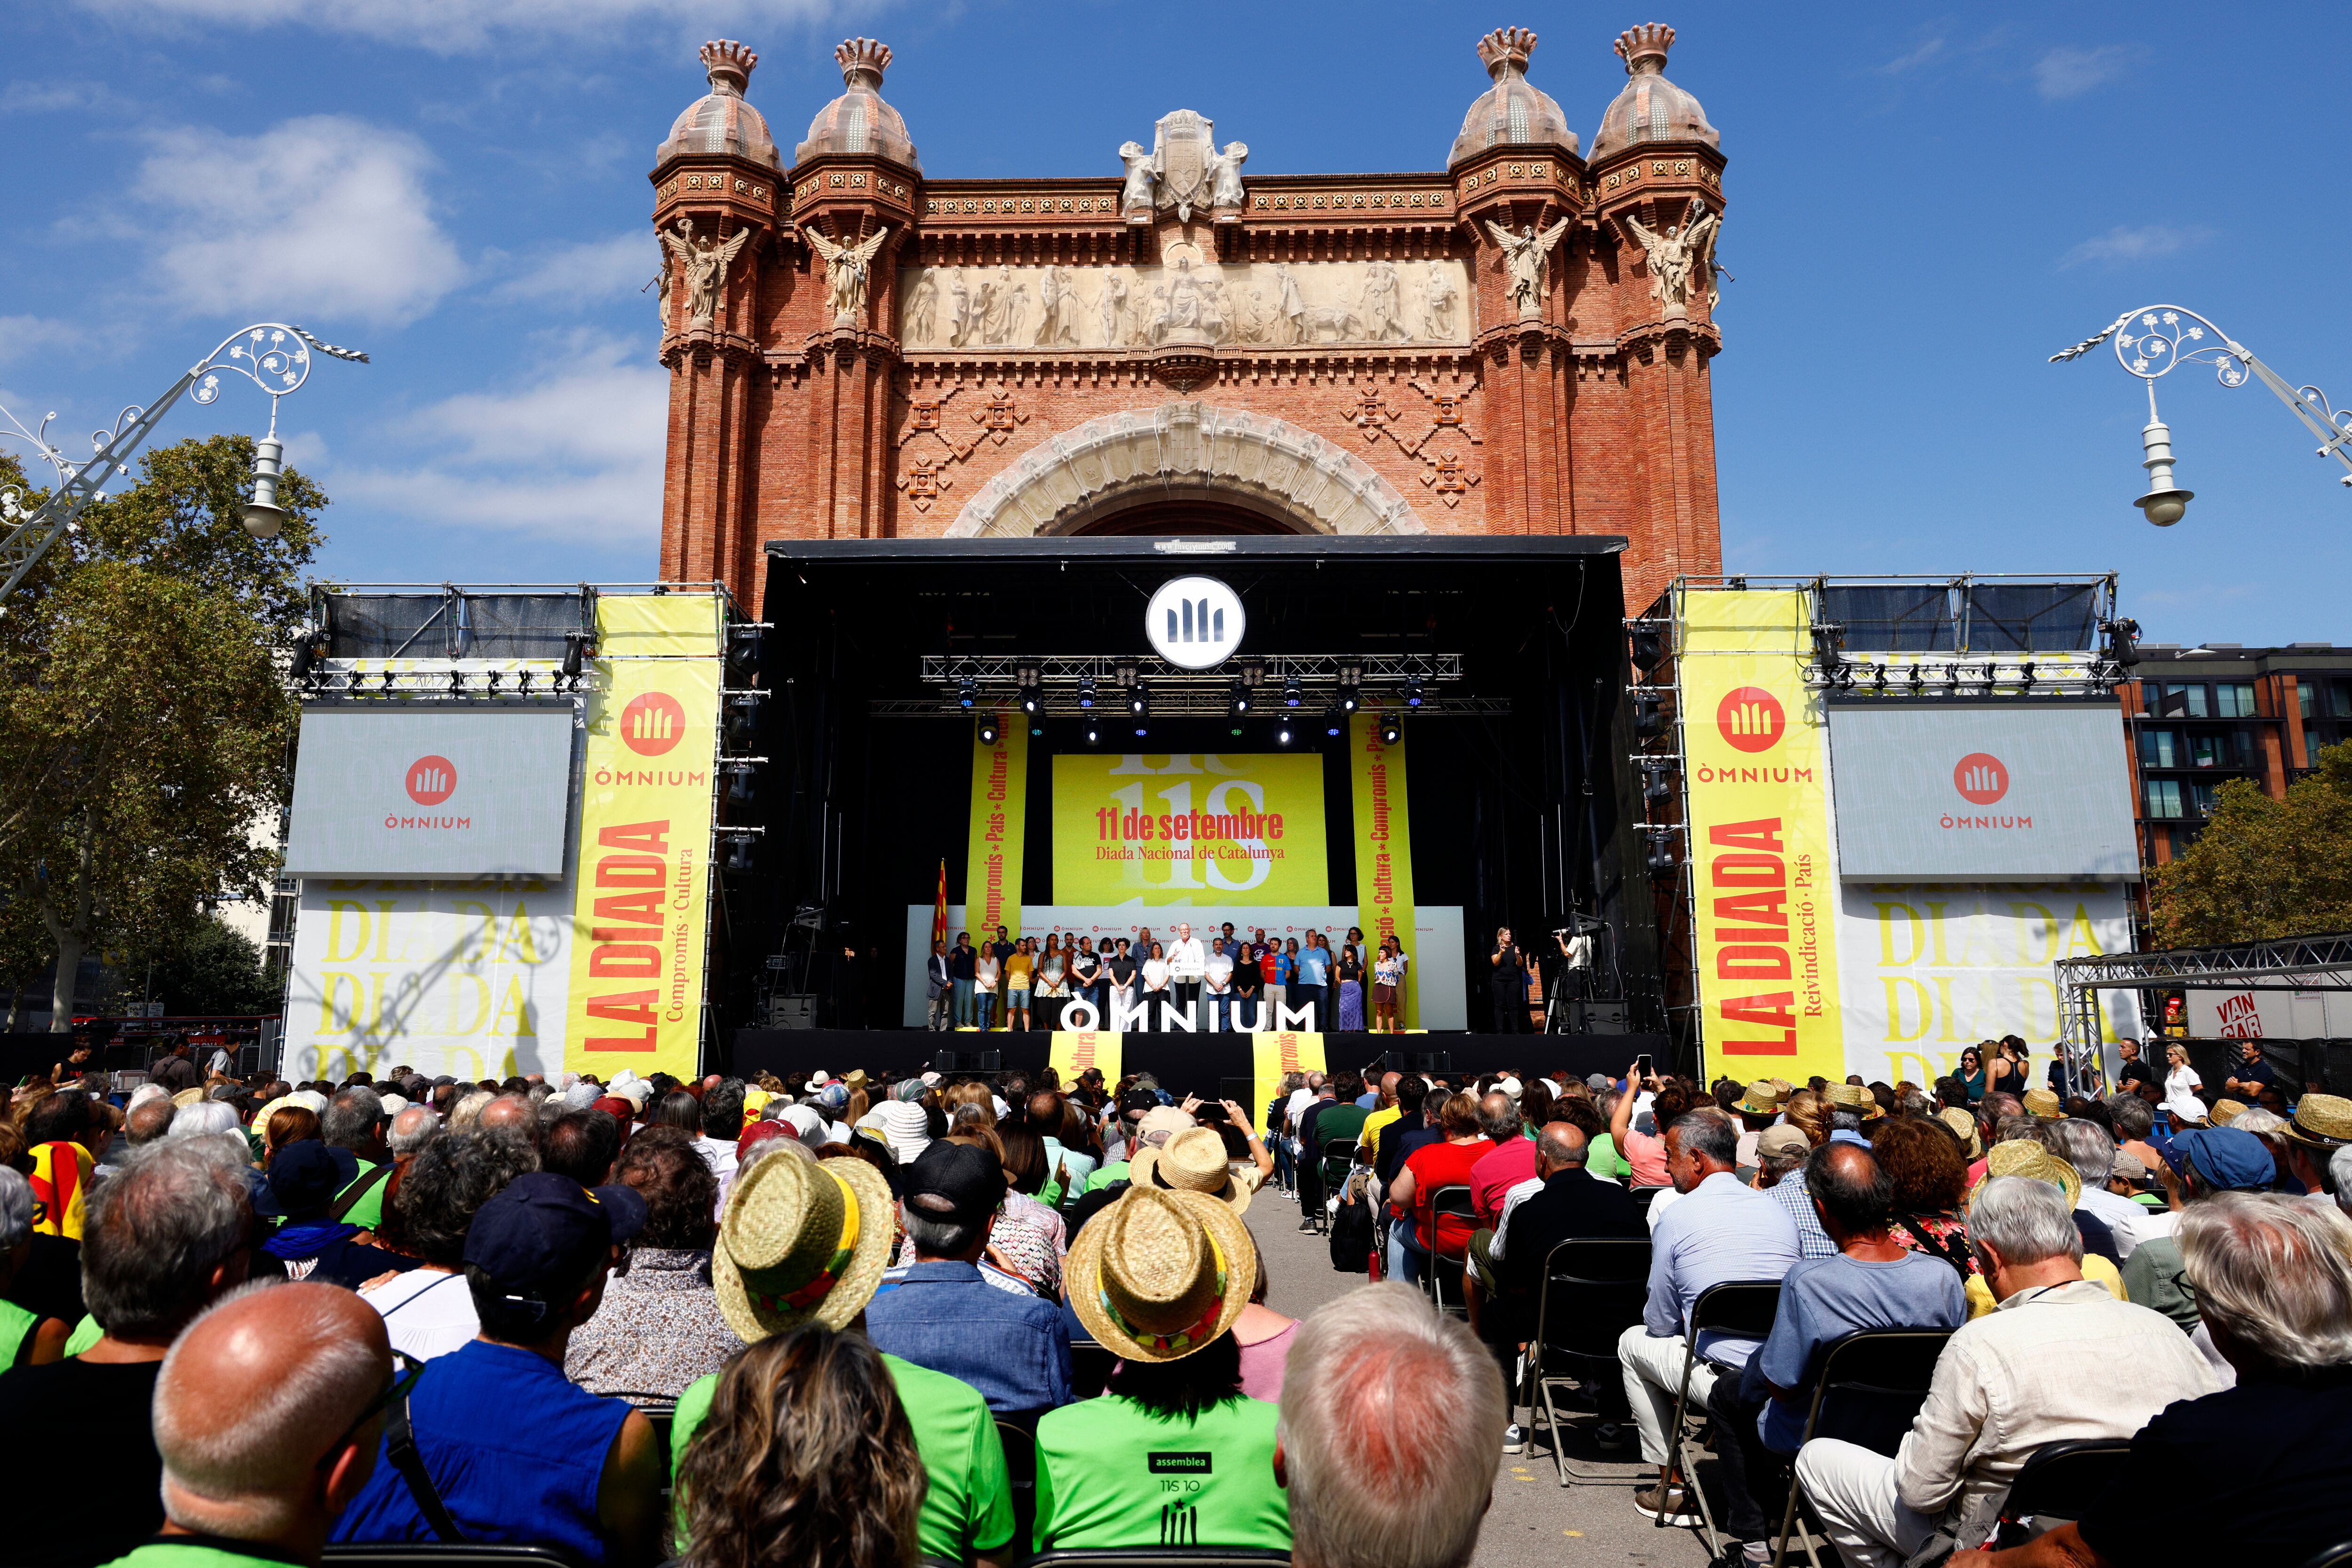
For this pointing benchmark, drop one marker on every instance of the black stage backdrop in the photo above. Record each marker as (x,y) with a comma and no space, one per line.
(1516,817)
(1213,1066)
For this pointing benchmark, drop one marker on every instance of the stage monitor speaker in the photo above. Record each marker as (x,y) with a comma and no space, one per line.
(792,1012)
(1612,1016)
(967,1060)
(1426,1060)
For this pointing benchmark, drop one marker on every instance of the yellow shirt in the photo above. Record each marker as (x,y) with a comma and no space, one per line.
(1016,972)
(1371,1136)
(2095,1269)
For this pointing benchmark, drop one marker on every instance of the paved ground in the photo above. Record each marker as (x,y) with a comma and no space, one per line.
(1535,1522)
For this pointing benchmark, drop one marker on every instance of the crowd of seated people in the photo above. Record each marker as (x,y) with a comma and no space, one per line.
(798,1320)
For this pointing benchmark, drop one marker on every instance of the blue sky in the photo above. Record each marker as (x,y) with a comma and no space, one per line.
(1922,206)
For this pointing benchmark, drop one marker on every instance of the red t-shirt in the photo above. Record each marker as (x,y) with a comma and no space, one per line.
(1495,1174)
(1444,1165)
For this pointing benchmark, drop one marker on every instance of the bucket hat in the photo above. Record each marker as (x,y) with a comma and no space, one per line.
(1160,1275)
(1194,1161)
(801,1241)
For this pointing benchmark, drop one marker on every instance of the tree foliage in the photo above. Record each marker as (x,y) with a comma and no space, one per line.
(2264,868)
(146,736)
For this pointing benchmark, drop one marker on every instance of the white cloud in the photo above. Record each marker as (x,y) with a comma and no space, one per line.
(326,215)
(464,27)
(51,97)
(1931,49)
(2071,72)
(24,335)
(2121,246)
(574,454)
(590,272)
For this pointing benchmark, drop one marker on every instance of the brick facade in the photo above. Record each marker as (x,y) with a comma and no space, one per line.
(1594,416)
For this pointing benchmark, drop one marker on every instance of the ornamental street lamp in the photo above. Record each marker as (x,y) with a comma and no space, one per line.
(272,355)
(2152,348)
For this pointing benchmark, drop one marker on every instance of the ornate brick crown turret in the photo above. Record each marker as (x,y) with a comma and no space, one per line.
(1649,109)
(720,121)
(1511,110)
(858,122)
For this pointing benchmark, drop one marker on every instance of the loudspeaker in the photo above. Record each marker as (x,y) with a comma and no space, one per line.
(967,1060)
(792,1012)
(1609,1017)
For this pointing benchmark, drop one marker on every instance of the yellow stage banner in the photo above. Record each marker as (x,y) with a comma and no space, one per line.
(1759,847)
(642,876)
(999,823)
(1383,853)
(1070,1052)
(1189,830)
(1273,1055)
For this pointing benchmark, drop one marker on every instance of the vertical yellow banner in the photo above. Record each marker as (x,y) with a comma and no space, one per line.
(1766,895)
(1072,1052)
(1272,1055)
(642,876)
(1000,821)
(1383,854)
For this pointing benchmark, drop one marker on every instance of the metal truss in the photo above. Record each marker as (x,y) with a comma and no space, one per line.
(1194,701)
(2316,963)
(1371,670)
(443,680)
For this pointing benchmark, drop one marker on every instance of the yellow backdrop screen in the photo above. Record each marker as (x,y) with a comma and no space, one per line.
(1189,830)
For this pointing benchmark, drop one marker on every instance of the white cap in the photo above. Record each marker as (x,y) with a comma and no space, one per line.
(1509,1086)
(817,1079)
(393,1105)
(931,1080)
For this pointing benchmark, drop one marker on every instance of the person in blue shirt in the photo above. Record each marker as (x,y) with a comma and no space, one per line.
(1310,988)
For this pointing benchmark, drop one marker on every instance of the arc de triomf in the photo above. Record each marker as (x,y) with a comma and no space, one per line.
(1517,343)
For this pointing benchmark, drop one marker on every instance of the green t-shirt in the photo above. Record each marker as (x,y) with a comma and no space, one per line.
(368,1212)
(16,1325)
(1109,1474)
(967,1507)
(1340,1122)
(86,1333)
(193,1552)
(1115,1171)
(1601,1157)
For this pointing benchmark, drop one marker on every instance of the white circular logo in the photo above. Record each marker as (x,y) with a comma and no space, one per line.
(1194,621)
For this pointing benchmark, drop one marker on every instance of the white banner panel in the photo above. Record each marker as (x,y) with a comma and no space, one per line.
(428,792)
(1436,954)
(1929,969)
(1943,791)
(2273,1015)
(467,978)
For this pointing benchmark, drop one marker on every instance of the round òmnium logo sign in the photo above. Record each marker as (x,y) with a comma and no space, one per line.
(652,723)
(431,780)
(1194,622)
(1980,777)
(1751,718)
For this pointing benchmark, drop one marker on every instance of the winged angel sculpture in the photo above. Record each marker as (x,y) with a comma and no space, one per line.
(1685,251)
(1526,255)
(847,268)
(704,262)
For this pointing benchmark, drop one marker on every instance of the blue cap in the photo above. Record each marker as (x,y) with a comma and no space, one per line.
(541,1233)
(2229,1159)
(303,1180)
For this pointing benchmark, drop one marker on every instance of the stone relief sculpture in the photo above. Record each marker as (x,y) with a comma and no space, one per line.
(1182,146)
(1138,194)
(1225,176)
(1524,254)
(846,271)
(1190,299)
(1679,256)
(704,264)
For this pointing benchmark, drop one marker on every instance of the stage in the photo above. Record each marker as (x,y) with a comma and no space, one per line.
(1213,1066)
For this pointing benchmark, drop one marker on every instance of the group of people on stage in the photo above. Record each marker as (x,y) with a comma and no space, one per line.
(1247,982)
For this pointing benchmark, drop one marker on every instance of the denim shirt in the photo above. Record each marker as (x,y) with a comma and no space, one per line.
(1014,1350)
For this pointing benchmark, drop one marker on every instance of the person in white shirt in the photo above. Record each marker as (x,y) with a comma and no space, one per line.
(2086,1146)
(984,973)
(429,1309)
(1188,963)
(1155,978)
(1220,981)
(2180,1086)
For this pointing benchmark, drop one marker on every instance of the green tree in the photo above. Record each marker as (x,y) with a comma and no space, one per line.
(211,968)
(146,737)
(2264,868)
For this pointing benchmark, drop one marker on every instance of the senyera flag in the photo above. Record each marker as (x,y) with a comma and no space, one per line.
(939,908)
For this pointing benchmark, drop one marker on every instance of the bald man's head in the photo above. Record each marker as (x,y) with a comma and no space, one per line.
(1498,1117)
(254,1409)
(1560,1146)
(514,1112)
(1387,1086)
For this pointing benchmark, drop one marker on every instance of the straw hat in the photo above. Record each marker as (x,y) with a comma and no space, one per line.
(2321,1122)
(2225,1112)
(195,1097)
(2041,1103)
(1194,1161)
(1853,1097)
(1158,1275)
(802,1241)
(1964,1127)
(2022,1158)
(1763,1098)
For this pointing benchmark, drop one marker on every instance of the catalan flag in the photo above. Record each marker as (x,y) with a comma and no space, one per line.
(60,1173)
(939,908)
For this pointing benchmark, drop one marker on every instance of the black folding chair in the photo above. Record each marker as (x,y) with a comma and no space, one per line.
(446,1555)
(1870,1387)
(1019,1440)
(2059,1483)
(1448,1203)
(1159,1557)
(1091,1367)
(1334,1159)
(1742,1308)
(1593,1291)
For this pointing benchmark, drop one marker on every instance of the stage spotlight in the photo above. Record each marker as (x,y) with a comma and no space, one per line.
(1139,700)
(1661,858)
(1918,679)
(1094,733)
(988,731)
(1029,702)
(1282,734)
(1086,691)
(1391,731)
(1412,691)
(1653,786)
(739,855)
(1349,702)
(1332,722)
(1649,648)
(1141,730)
(2025,674)
(741,720)
(1952,677)
(967,692)
(575,651)
(1351,683)
(1290,692)
(740,785)
(1649,713)
(1878,678)
(1240,699)
(743,648)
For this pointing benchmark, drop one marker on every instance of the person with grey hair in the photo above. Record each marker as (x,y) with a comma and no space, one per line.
(26,1338)
(164,1238)
(414,1127)
(267,1416)
(2271,1459)
(1376,1365)
(468,1108)
(353,1120)
(2062,1360)
(145,1123)
(2088,1148)
(1716,1232)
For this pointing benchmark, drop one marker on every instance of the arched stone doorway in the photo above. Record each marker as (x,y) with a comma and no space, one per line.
(1186,468)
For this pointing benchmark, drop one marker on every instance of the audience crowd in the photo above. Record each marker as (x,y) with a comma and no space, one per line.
(847,1323)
